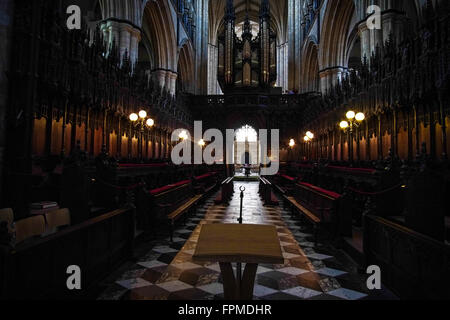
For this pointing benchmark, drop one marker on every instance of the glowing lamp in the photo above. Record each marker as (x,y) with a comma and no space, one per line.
(360,116)
(142,114)
(201,143)
(183,135)
(150,122)
(292,143)
(134,117)
(344,125)
(350,115)
(310,135)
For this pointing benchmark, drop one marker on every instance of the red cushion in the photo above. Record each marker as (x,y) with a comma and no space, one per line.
(288,177)
(204,176)
(353,170)
(169,187)
(326,192)
(301,165)
(150,165)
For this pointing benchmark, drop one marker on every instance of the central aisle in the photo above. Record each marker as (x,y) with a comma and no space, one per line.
(166,272)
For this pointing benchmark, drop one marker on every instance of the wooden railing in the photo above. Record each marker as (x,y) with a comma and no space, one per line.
(38,270)
(413,265)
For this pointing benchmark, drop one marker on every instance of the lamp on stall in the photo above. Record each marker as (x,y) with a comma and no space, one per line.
(140,121)
(344,125)
(353,122)
(360,117)
(292,143)
(202,143)
(183,135)
(150,122)
(141,118)
(134,117)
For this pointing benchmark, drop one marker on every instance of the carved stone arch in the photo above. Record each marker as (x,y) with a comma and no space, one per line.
(159,25)
(310,66)
(333,44)
(186,71)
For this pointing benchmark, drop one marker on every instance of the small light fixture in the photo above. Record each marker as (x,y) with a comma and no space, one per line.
(183,135)
(344,125)
(202,143)
(292,143)
(134,117)
(150,122)
(350,115)
(360,117)
(306,139)
(142,114)
(310,135)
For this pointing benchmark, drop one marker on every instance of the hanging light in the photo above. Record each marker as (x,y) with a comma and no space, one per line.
(344,125)
(202,143)
(350,115)
(134,117)
(360,117)
(150,122)
(310,135)
(306,138)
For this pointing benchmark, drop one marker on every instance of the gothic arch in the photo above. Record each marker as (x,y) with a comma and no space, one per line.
(310,66)
(186,67)
(335,29)
(156,24)
(333,45)
(128,10)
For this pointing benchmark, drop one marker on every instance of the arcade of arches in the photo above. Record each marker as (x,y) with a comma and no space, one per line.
(86,128)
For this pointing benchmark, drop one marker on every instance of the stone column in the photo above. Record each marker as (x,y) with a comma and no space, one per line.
(364,35)
(330,76)
(173,76)
(201,46)
(213,60)
(393,23)
(126,36)
(159,77)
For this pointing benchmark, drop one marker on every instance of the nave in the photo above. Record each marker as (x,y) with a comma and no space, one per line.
(165,270)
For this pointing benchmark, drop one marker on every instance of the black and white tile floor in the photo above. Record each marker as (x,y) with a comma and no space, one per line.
(166,271)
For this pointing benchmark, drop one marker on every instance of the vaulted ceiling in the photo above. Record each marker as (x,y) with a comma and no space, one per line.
(278,10)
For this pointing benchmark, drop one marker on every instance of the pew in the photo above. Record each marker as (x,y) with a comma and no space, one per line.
(205,183)
(283,183)
(170,203)
(266,192)
(226,192)
(317,205)
(38,269)
(414,265)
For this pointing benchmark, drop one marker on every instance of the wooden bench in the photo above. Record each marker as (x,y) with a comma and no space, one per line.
(317,205)
(283,183)
(227,190)
(266,192)
(205,183)
(98,246)
(170,203)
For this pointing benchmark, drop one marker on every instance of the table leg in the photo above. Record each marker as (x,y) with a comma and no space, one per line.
(229,281)
(248,281)
(236,288)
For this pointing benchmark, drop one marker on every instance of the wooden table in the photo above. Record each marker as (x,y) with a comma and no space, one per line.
(238,243)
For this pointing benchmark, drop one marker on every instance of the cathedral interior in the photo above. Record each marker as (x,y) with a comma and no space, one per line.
(322,131)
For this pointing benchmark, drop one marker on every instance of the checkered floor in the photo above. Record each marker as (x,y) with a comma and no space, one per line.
(166,271)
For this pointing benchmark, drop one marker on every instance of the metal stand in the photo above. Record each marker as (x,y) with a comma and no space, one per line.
(239,265)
